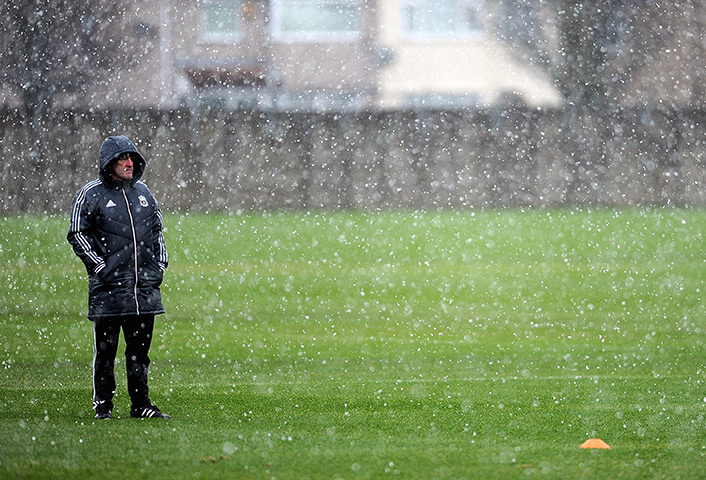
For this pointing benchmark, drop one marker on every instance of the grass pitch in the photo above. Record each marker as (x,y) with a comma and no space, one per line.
(453,344)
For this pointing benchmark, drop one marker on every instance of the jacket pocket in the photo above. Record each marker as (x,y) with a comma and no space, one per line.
(97,284)
(150,273)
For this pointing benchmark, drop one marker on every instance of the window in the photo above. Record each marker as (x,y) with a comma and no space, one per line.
(222,20)
(316,19)
(441,18)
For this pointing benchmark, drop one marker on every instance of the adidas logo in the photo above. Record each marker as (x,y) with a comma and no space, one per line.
(110,204)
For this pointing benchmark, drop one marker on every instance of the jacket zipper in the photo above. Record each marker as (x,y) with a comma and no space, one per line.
(134,246)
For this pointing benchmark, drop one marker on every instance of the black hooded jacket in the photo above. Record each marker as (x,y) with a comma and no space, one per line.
(116,230)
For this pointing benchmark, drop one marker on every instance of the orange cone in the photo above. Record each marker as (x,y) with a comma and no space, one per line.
(595,443)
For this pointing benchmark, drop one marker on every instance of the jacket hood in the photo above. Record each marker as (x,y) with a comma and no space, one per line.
(111,149)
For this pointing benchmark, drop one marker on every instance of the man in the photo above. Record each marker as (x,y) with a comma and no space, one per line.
(116,230)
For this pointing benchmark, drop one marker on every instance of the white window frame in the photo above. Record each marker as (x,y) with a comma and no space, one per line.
(458,14)
(221,37)
(278,34)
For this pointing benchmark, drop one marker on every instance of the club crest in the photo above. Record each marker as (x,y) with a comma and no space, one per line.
(143,201)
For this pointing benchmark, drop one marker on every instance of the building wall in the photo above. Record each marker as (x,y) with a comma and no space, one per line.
(142,84)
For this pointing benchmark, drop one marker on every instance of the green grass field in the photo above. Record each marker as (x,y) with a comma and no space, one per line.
(455,344)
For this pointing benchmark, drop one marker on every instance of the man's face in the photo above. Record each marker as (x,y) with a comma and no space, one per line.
(123,168)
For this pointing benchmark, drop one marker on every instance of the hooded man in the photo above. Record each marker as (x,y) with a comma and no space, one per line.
(116,230)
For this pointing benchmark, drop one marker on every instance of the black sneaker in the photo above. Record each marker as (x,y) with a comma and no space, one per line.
(103,411)
(149,411)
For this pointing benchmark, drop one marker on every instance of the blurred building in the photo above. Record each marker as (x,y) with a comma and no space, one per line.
(315,55)
(390,54)
(324,55)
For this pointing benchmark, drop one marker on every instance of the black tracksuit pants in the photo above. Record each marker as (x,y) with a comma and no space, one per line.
(137,331)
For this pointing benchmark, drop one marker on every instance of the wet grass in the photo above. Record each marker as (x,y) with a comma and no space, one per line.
(372,345)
